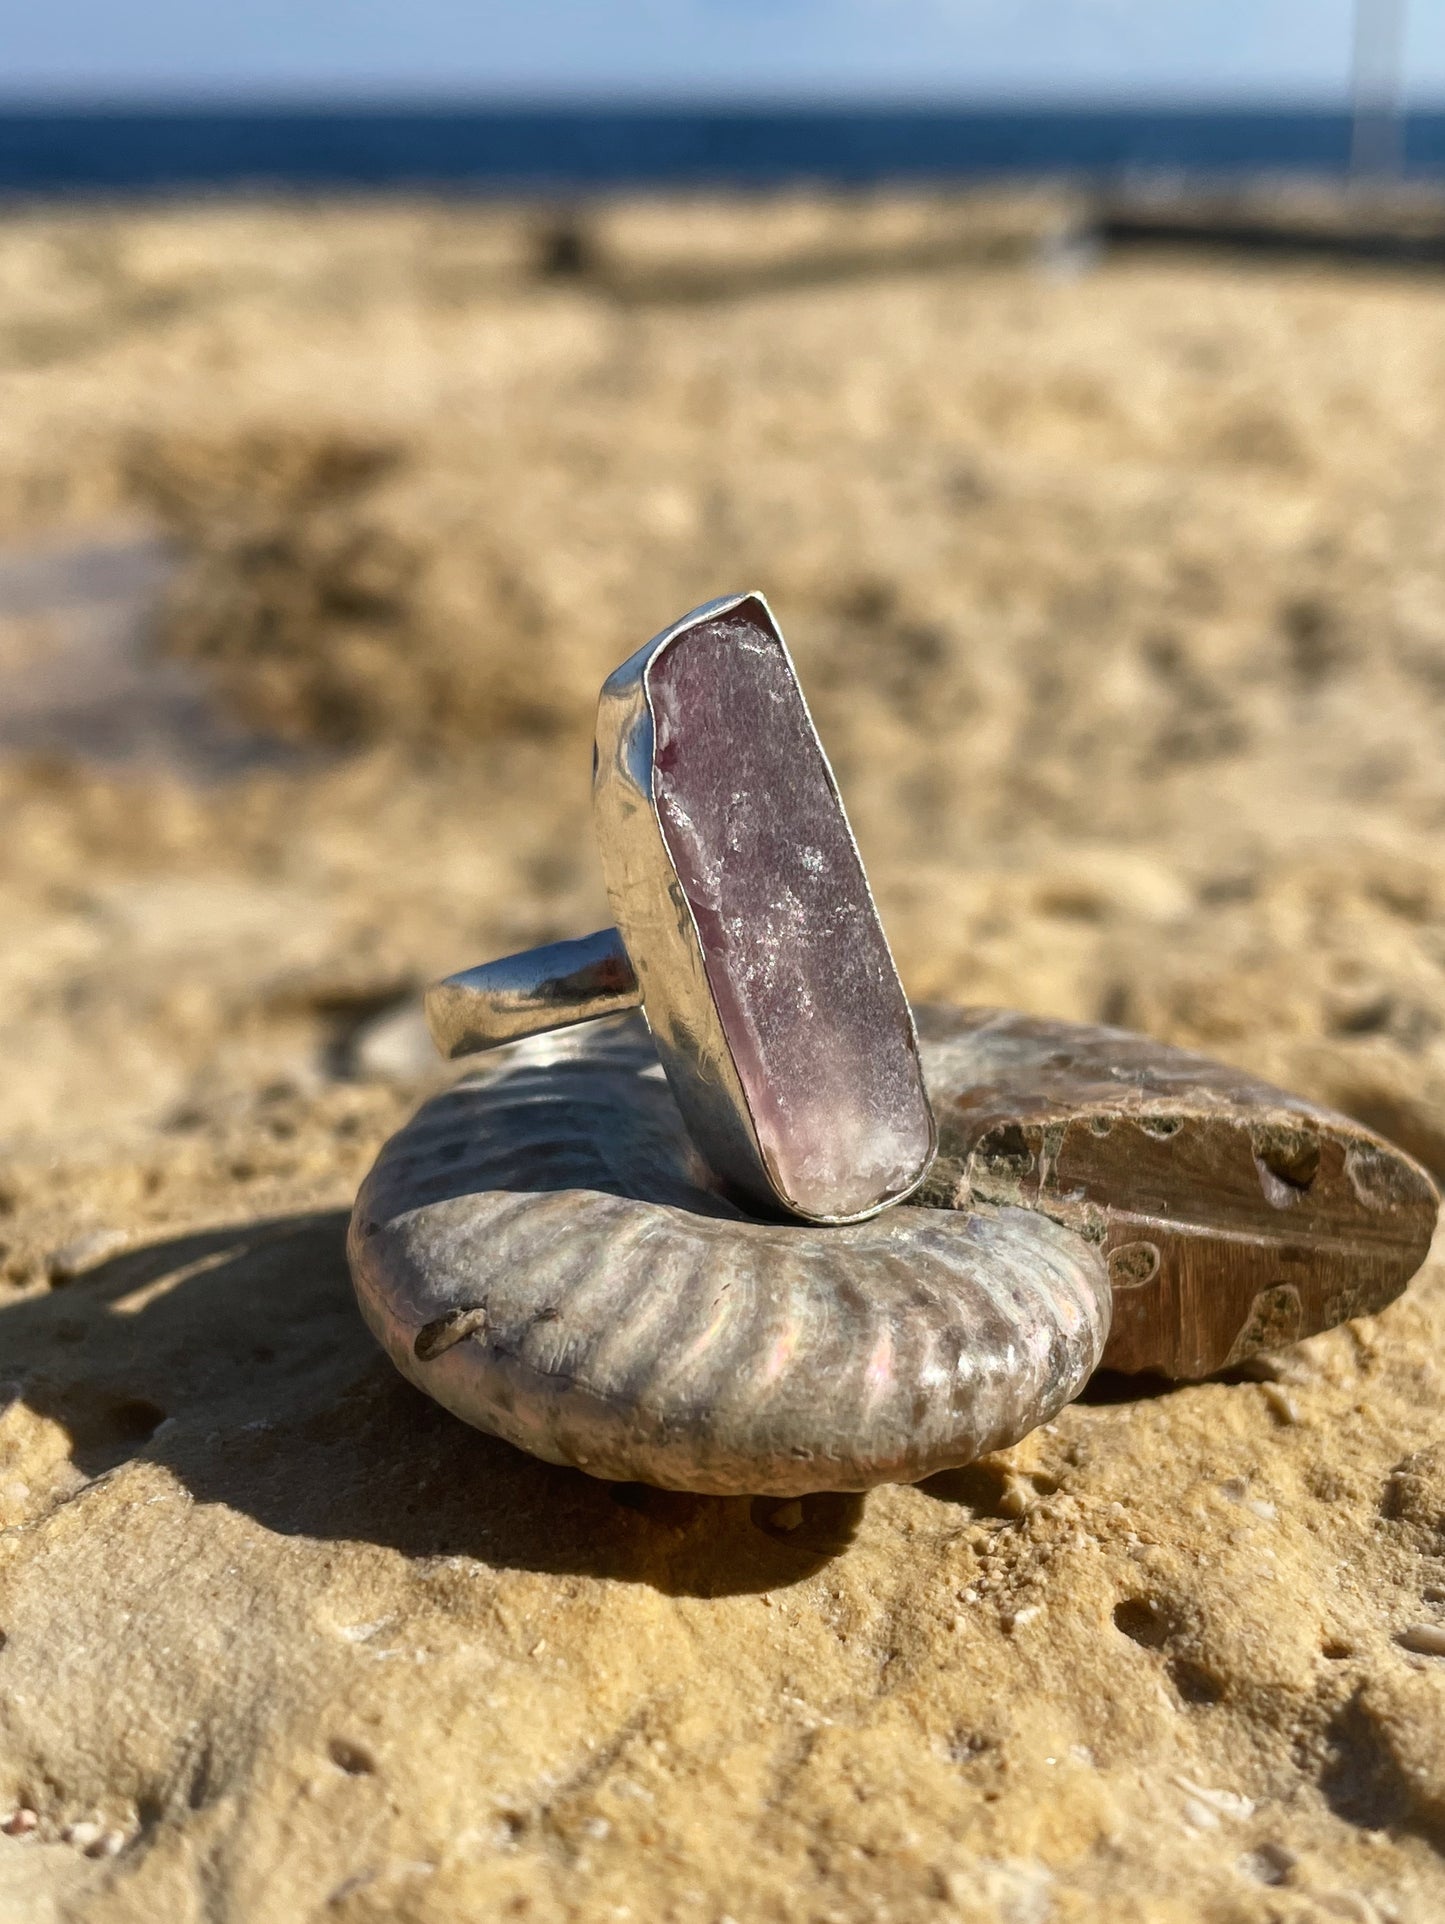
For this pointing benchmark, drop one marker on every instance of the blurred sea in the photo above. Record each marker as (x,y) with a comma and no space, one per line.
(480,148)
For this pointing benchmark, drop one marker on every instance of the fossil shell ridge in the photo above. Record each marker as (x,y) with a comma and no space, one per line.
(541,1251)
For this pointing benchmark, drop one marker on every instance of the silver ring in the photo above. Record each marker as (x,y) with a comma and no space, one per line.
(745,931)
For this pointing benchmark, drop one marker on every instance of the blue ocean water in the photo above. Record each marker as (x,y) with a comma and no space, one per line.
(505,148)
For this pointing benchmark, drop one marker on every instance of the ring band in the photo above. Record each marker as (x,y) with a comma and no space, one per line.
(553,987)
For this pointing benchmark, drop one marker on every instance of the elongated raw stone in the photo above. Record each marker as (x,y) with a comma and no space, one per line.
(1235,1218)
(800,971)
(541,1251)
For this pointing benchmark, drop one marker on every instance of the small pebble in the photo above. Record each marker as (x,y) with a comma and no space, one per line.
(84,1253)
(1427,1639)
(1018,1497)
(1220,1803)
(395,1046)
(1280,1404)
(20,1822)
(787,1516)
(84,1835)
(1352,1905)
(363,1632)
(350,1885)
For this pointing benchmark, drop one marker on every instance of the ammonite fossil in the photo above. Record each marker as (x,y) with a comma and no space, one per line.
(542,1251)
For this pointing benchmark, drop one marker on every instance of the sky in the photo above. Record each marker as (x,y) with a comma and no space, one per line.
(679,49)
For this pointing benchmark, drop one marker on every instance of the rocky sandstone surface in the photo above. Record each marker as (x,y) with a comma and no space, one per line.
(1119,589)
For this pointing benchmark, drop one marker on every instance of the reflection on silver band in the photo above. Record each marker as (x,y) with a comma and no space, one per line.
(522,995)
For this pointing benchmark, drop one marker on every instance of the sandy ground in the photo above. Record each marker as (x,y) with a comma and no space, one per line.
(1119,590)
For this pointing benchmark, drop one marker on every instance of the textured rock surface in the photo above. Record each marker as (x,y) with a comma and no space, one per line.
(1144,566)
(541,1251)
(800,971)
(297,1643)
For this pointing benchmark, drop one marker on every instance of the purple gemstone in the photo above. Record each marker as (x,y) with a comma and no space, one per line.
(798,965)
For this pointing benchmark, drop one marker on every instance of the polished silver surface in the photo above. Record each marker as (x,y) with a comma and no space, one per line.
(656,955)
(527,994)
(661,935)
(542,1251)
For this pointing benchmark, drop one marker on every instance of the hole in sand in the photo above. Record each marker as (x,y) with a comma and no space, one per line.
(1195,1684)
(355,1759)
(1144,1620)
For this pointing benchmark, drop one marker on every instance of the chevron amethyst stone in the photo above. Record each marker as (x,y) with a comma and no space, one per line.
(800,971)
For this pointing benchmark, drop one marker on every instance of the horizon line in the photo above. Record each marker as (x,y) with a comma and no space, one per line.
(240,100)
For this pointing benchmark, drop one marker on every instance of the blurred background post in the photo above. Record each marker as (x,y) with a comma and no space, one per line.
(1377,146)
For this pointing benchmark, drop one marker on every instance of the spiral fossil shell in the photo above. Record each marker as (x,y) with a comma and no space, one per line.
(540,1250)
(1234,1216)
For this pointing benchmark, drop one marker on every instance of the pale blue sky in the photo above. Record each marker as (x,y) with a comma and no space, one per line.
(687,48)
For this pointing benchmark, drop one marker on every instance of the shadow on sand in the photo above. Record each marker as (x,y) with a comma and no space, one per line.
(236,1358)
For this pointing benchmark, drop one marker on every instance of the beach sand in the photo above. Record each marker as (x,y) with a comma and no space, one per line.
(1118,588)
